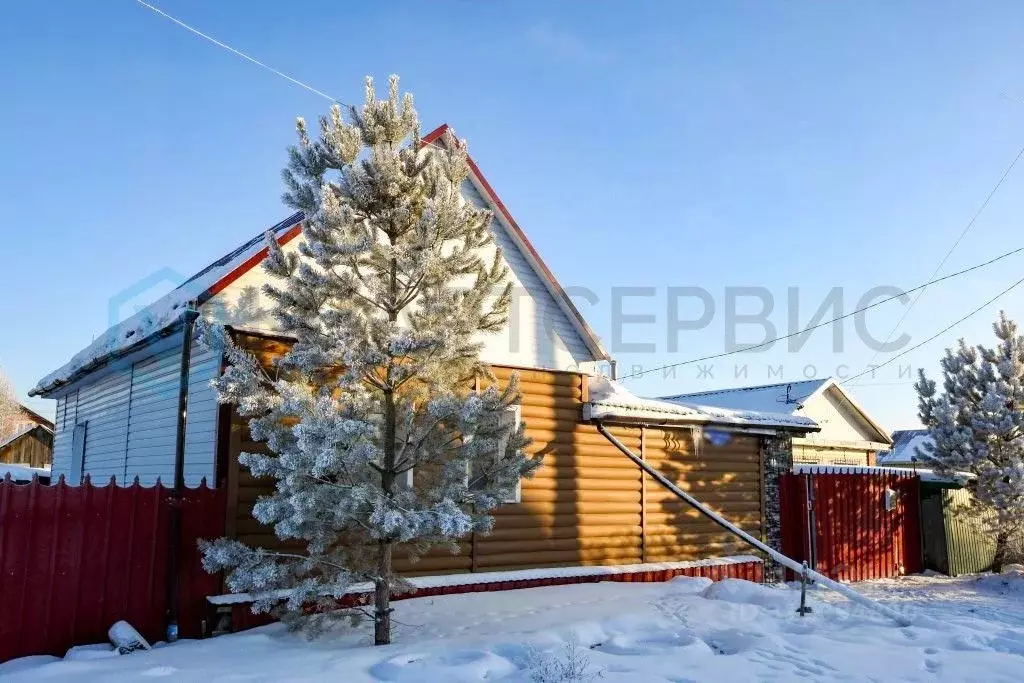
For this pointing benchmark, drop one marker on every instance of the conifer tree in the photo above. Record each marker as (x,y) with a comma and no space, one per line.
(377,432)
(977,424)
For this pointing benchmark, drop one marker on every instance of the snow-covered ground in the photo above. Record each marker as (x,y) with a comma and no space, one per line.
(966,629)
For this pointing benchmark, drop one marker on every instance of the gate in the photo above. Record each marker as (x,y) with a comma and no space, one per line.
(852,526)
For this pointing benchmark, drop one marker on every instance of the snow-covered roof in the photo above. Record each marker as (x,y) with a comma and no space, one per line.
(23,472)
(785,397)
(905,444)
(36,417)
(960,478)
(163,314)
(610,399)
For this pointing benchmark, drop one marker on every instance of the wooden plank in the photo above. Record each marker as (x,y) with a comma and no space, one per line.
(587,473)
(537,376)
(488,548)
(643,496)
(572,520)
(580,496)
(611,555)
(560,531)
(569,483)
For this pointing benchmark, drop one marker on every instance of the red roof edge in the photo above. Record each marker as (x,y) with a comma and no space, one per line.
(252,262)
(588,335)
(589,338)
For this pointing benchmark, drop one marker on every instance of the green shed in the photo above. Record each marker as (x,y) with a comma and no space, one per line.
(955,541)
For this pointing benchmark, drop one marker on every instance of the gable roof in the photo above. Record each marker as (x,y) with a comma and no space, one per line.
(785,397)
(905,443)
(36,417)
(588,336)
(610,399)
(164,316)
(22,432)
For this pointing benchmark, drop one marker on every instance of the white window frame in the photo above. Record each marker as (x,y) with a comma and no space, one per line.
(516,413)
(406,478)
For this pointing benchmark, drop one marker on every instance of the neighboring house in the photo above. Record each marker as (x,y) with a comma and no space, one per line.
(848,436)
(29,441)
(906,449)
(118,415)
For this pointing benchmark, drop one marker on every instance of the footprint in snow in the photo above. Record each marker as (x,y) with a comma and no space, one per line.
(646,644)
(157,671)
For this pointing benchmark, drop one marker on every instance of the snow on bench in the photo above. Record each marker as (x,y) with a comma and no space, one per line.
(426,583)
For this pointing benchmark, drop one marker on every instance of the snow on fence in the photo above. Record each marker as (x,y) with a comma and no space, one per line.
(852,526)
(76,559)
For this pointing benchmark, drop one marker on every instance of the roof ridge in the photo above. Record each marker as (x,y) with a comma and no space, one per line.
(748,388)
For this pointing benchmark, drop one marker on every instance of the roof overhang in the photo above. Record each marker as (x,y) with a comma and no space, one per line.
(196,291)
(612,402)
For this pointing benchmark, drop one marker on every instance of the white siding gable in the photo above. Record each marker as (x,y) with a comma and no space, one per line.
(837,418)
(539,333)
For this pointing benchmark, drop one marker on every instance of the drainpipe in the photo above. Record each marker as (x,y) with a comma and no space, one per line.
(174,554)
(797,567)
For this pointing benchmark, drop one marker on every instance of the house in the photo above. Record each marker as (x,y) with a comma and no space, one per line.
(848,436)
(907,449)
(138,403)
(28,440)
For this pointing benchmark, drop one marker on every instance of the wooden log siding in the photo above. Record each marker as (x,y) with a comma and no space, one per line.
(587,504)
(34,449)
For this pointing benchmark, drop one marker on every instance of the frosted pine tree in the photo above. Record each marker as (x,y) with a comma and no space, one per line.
(977,423)
(10,408)
(378,436)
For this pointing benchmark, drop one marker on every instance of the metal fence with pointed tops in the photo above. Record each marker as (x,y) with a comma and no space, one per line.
(76,559)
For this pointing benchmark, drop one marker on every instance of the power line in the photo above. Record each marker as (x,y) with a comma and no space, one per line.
(959,239)
(937,334)
(827,322)
(241,54)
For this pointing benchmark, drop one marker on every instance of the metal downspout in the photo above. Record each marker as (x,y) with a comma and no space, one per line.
(788,562)
(174,539)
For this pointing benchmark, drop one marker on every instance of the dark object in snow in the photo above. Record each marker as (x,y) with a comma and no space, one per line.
(126,639)
(804,608)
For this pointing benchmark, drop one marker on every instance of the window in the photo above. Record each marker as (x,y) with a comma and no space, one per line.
(510,418)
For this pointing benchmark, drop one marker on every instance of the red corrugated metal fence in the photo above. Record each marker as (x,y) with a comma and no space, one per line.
(854,536)
(75,559)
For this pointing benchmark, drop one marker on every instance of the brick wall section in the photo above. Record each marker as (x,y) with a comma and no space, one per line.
(777,456)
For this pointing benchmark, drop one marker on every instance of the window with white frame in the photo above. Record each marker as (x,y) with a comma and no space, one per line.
(509,419)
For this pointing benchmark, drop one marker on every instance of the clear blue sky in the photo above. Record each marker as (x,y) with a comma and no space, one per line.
(803,144)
